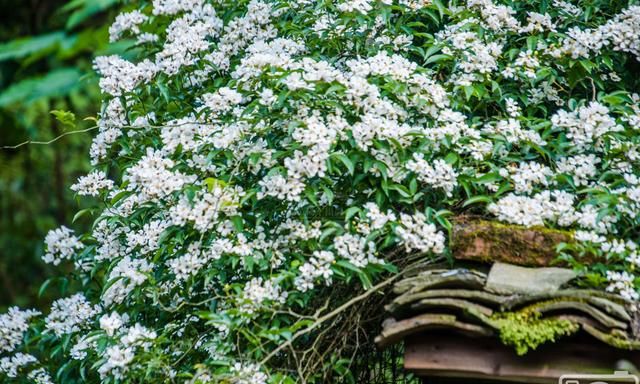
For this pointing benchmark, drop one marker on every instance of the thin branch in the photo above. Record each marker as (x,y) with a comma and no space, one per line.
(34,142)
(329,316)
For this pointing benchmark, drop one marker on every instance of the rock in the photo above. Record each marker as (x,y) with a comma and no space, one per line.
(511,279)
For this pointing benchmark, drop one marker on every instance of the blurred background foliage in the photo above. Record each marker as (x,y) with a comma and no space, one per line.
(46,53)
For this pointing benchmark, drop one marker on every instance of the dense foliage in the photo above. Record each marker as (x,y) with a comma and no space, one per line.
(260,161)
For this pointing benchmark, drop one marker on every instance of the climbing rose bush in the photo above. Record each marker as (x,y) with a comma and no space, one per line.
(254,155)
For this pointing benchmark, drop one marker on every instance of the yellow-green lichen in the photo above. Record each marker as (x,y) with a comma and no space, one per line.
(526,331)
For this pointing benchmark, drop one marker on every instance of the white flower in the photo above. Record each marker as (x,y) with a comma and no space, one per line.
(138,335)
(622,282)
(208,207)
(356,249)
(40,376)
(257,292)
(377,218)
(281,188)
(318,267)
(10,366)
(70,315)
(13,325)
(91,184)
(61,245)
(527,175)
(223,100)
(120,76)
(362,6)
(582,168)
(128,274)
(113,322)
(416,233)
(556,206)
(586,125)
(117,362)
(437,175)
(248,374)
(80,348)
(129,21)
(152,176)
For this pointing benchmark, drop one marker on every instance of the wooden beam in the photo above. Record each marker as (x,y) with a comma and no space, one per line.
(456,356)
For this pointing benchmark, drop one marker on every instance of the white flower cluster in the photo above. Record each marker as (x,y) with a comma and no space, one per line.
(61,245)
(147,239)
(196,258)
(10,366)
(92,184)
(248,374)
(623,283)
(207,207)
(126,22)
(378,219)
(118,357)
(40,376)
(71,314)
(120,76)
(528,175)
(152,176)
(438,175)
(127,274)
(582,168)
(620,33)
(318,267)
(111,323)
(417,233)
(556,206)
(280,187)
(222,101)
(13,325)
(587,124)
(356,250)
(258,292)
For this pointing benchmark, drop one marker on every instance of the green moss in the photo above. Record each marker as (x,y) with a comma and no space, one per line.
(534,246)
(526,331)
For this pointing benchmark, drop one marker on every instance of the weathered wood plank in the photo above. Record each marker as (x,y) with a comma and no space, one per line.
(451,355)
(395,331)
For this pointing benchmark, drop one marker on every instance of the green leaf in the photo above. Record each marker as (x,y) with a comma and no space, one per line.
(84,9)
(478,199)
(81,213)
(438,58)
(346,161)
(20,48)
(238,223)
(57,83)
(350,212)
(468,91)
(68,119)
(212,183)
(348,265)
